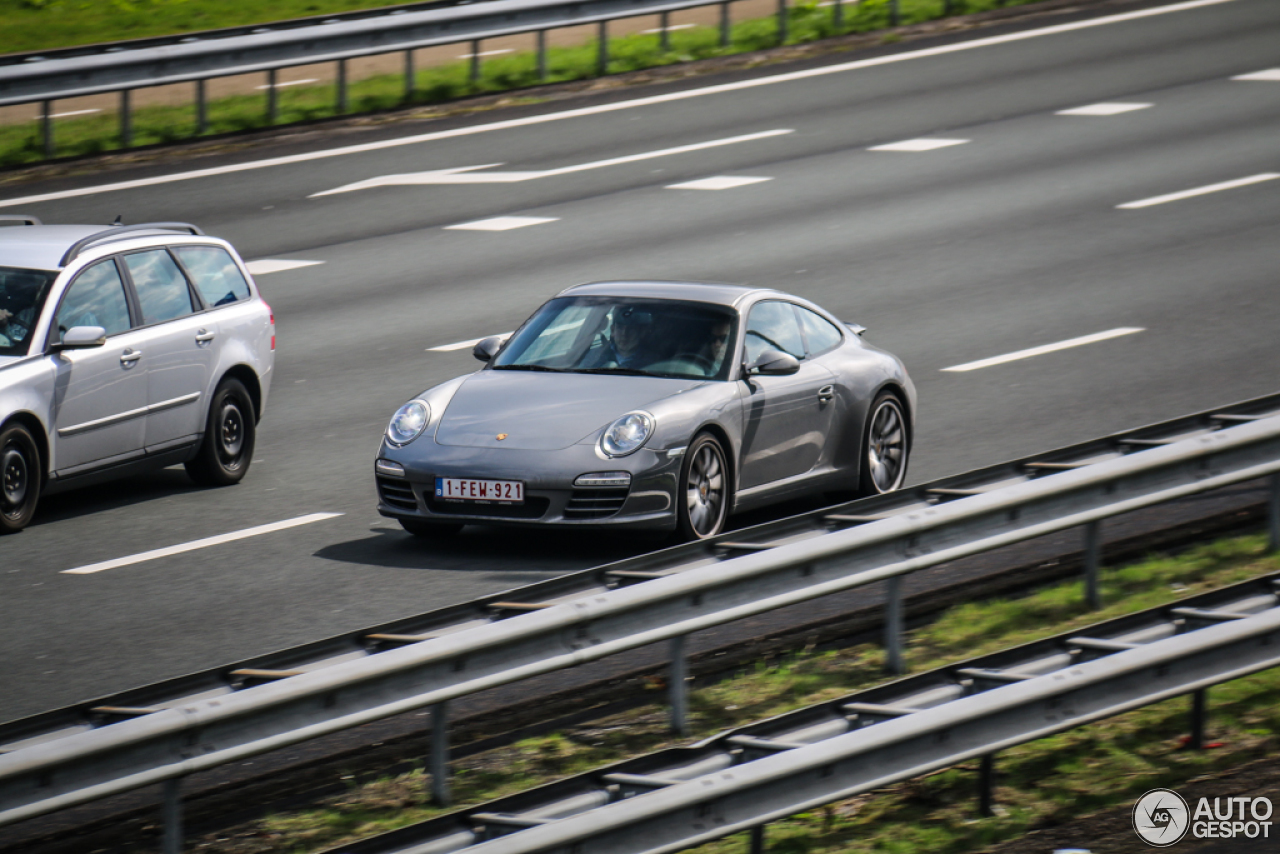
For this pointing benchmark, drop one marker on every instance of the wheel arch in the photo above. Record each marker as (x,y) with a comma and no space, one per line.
(39,435)
(249,378)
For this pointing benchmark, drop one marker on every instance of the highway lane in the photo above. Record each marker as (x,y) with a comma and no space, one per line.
(1009,240)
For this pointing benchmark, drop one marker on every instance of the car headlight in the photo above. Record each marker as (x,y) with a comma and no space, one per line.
(408,422)
(627,434)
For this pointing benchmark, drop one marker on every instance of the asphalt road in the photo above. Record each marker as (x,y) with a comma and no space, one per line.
(1010,236)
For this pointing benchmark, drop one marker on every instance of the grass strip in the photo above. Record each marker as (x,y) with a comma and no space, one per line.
(1040,784)
(808,21)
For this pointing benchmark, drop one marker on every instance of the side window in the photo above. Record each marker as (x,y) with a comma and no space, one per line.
(819,332)
(216,276)
(95,298)
(162,289)
(773,324)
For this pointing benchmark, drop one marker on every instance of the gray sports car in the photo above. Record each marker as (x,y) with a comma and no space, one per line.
(650,405)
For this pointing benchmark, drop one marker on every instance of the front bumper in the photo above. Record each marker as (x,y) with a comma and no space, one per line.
(550,497)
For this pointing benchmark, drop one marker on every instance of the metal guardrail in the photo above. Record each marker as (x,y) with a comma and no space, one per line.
(168,744)
(576,804)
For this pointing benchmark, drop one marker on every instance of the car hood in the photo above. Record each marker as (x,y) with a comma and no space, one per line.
(544,412)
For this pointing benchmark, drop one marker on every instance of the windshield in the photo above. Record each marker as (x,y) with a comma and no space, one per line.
(22,295)
(622,335)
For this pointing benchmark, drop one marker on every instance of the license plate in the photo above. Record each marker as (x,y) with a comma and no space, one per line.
(482,491)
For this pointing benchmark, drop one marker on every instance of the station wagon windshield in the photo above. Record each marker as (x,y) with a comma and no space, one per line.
(626,336)
(22,295)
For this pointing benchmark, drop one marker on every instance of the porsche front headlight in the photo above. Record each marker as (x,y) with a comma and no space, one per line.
(628,434)
(408,422)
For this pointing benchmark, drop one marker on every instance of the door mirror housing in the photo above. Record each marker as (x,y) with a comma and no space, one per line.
(487,348)
(774,363)
(81,338)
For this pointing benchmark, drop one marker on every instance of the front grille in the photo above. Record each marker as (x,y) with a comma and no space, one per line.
(594,503)
(532,508)
(397,494)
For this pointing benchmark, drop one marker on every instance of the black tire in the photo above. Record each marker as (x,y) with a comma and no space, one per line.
(20,476)
(430,530)
(229,435)
(704,492)
(885,447)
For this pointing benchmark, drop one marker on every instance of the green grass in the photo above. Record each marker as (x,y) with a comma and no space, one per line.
(1040,784)
(33,24)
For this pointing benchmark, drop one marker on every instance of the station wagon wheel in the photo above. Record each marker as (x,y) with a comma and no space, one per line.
(229,435)
(19,478)
(702,498)
(885,446)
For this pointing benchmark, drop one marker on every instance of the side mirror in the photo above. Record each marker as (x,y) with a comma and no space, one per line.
(81,338)
(774,363)
(487,348)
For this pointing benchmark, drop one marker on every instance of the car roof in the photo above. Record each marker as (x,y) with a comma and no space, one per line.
(41,247)
(712,292)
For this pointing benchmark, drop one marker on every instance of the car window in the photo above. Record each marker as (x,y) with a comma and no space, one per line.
(773,324)
(22,295)
(161,287)
(95,298)
(819,332)
(216,276)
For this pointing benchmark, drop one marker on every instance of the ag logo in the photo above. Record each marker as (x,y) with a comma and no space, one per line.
(1161,817)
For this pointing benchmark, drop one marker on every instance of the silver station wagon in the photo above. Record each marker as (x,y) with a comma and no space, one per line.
(122,348)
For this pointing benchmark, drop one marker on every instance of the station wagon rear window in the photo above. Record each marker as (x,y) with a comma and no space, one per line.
(22,296)
(216,276)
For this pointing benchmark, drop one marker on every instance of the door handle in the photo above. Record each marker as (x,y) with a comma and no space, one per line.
(204,336)
(826,394)
(128,357)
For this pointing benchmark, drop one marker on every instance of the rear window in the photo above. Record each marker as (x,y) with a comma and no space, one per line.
(215,274)
(22,296)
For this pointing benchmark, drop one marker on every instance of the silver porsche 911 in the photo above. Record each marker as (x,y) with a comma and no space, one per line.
(650,405)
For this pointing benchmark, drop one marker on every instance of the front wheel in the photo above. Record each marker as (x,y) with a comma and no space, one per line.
(885,446)
(702,496)
(229,433)
(19,478)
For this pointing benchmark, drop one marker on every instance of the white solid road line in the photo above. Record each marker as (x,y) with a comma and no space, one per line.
(1200,191)
(1104,109)
(599,109)
(922,144)
(462,345)
(470,175)
(199,544)
(265,266)
(1047,348)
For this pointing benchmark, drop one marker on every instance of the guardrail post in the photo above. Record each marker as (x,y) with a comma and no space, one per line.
(837,16)
(724,24)
(757,839)
(172,842)
(1199,715)
(678,690)
(126,119)
(602,58)
(440,754)
(987,785)
(342,86)
(893,626)
(273,108)
(475,61)
(542,55)
(665,38)
(46,123)
(202,107)
(1273,515)
(410,83)
(895,14)
(1092,557)
(782,21)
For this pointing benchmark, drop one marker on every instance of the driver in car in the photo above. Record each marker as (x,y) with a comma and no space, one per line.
(628,345)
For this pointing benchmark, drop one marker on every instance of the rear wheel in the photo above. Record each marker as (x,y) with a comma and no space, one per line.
(19,478)
(430,530)
(229,434)
(702,497)
(885,447)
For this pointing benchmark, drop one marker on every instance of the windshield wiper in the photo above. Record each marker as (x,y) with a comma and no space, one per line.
(630,372)
(528,368)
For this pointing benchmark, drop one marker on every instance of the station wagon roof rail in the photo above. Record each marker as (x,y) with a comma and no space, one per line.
(21,219)
(114,232)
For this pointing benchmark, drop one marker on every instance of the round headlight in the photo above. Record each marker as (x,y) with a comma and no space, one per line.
(408,422)
(627,434)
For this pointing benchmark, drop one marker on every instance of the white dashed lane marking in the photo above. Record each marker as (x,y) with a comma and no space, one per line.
(719,182)
(199,544)
(462,345)
(922,144)
(1200,191)
(1105,109)
(1047,348)
(264,266)
(1271,75)
(502,223)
